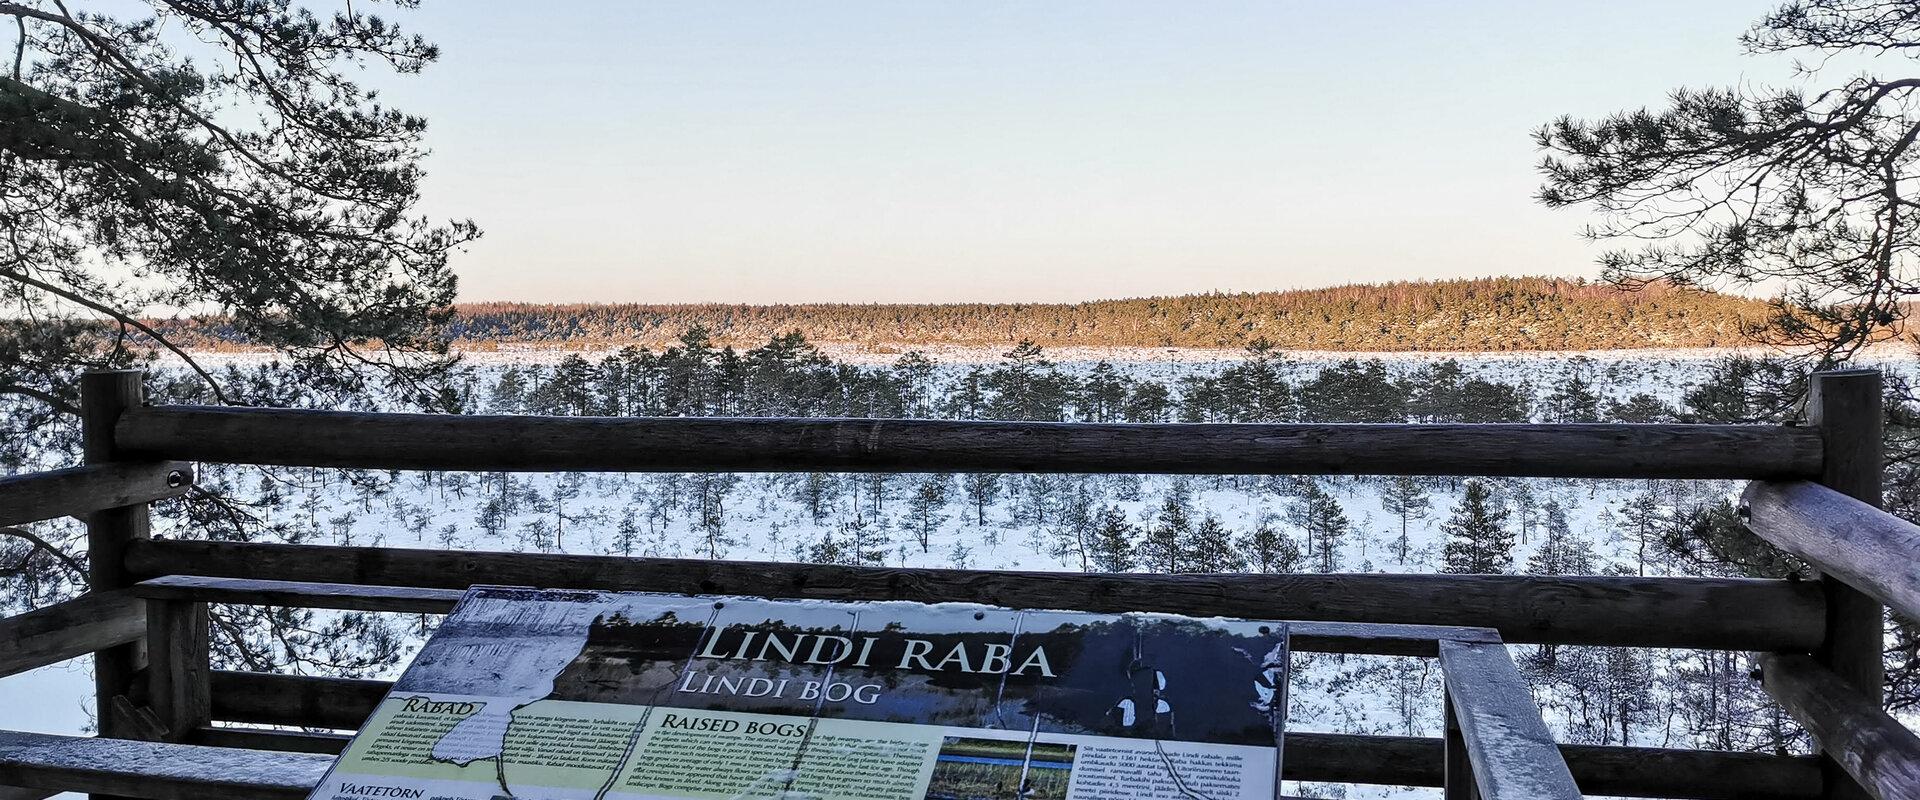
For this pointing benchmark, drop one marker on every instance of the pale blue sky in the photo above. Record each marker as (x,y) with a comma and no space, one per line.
(918,151)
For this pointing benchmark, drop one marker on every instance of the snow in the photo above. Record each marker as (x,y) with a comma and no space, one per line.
(764,520)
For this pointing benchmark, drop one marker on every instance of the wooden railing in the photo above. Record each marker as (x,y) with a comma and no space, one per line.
(171,724)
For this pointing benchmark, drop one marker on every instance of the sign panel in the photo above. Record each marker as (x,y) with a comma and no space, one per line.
(574,695)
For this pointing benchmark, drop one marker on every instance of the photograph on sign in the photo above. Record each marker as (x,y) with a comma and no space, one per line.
(580,695)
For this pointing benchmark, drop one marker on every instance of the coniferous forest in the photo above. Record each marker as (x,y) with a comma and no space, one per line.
(1111,523)
(1482,314)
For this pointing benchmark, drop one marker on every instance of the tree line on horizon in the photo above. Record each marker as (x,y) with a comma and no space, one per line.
(1480,314)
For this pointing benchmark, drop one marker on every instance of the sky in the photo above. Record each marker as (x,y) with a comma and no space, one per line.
(1033,151)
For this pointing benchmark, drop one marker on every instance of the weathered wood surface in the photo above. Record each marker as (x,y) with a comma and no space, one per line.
(263,699)
(155,770)
(1456,765)
(1513,755)
(105,396)
(1882,755)
(270,739)
(1717,613)
(138,721)
(86,624)
(1846,408)
(1868,549)
(1310,637)
(295,594)
(36,496)
(1602,770)
(471,442)
(177,666)
(260,698)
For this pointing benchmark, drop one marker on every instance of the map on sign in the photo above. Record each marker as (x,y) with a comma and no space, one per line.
(575,695)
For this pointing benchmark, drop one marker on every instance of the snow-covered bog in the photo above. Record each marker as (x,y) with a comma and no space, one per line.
(1145,523)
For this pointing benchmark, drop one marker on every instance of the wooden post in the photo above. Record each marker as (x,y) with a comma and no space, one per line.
(1845,406)
(178,672)
(104,395)
(1456,781)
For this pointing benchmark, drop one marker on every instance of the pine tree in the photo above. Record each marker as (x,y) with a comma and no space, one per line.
(1407,499)
(1640,408)
(1478,541)
(1526,507)
(509,394)
(1073,524)
(968,400)
(1436,397)
(564,492)
(1112,549)
(1561,552)
(1269,550)
(1149,402)
(1643,521)
(915,373)
(981,488)
(1164,548)
(1574,399)
(710,503)
(626,534)
(492,518)
(924,508)
(1103,395)
(1319,517)
(1211,548)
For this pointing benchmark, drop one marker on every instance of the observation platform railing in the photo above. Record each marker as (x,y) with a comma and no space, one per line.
(173,727)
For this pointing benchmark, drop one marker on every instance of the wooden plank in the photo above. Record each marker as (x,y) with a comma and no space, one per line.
(155,770)
(260,698)
(1456,774)
(77,627)
(1846,407)
(1602,770)
(340,596)
(1866,548)
(472,442)
(74,491)
(1512,753)
(264,699)
(270,739)
(177,666)
(104,397)
(1714,613)
(1311,637)
(138,721)
(1879,753)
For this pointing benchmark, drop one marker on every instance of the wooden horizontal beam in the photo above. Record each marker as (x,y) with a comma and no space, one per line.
(36,496)
(296,594)
(1866,548)
(264,699)
(1513,755)
(1307,637)
(1598,769)
(645,444)
(1709,613)
(271,739)
(55,633)
(1881,754)
(155,770)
